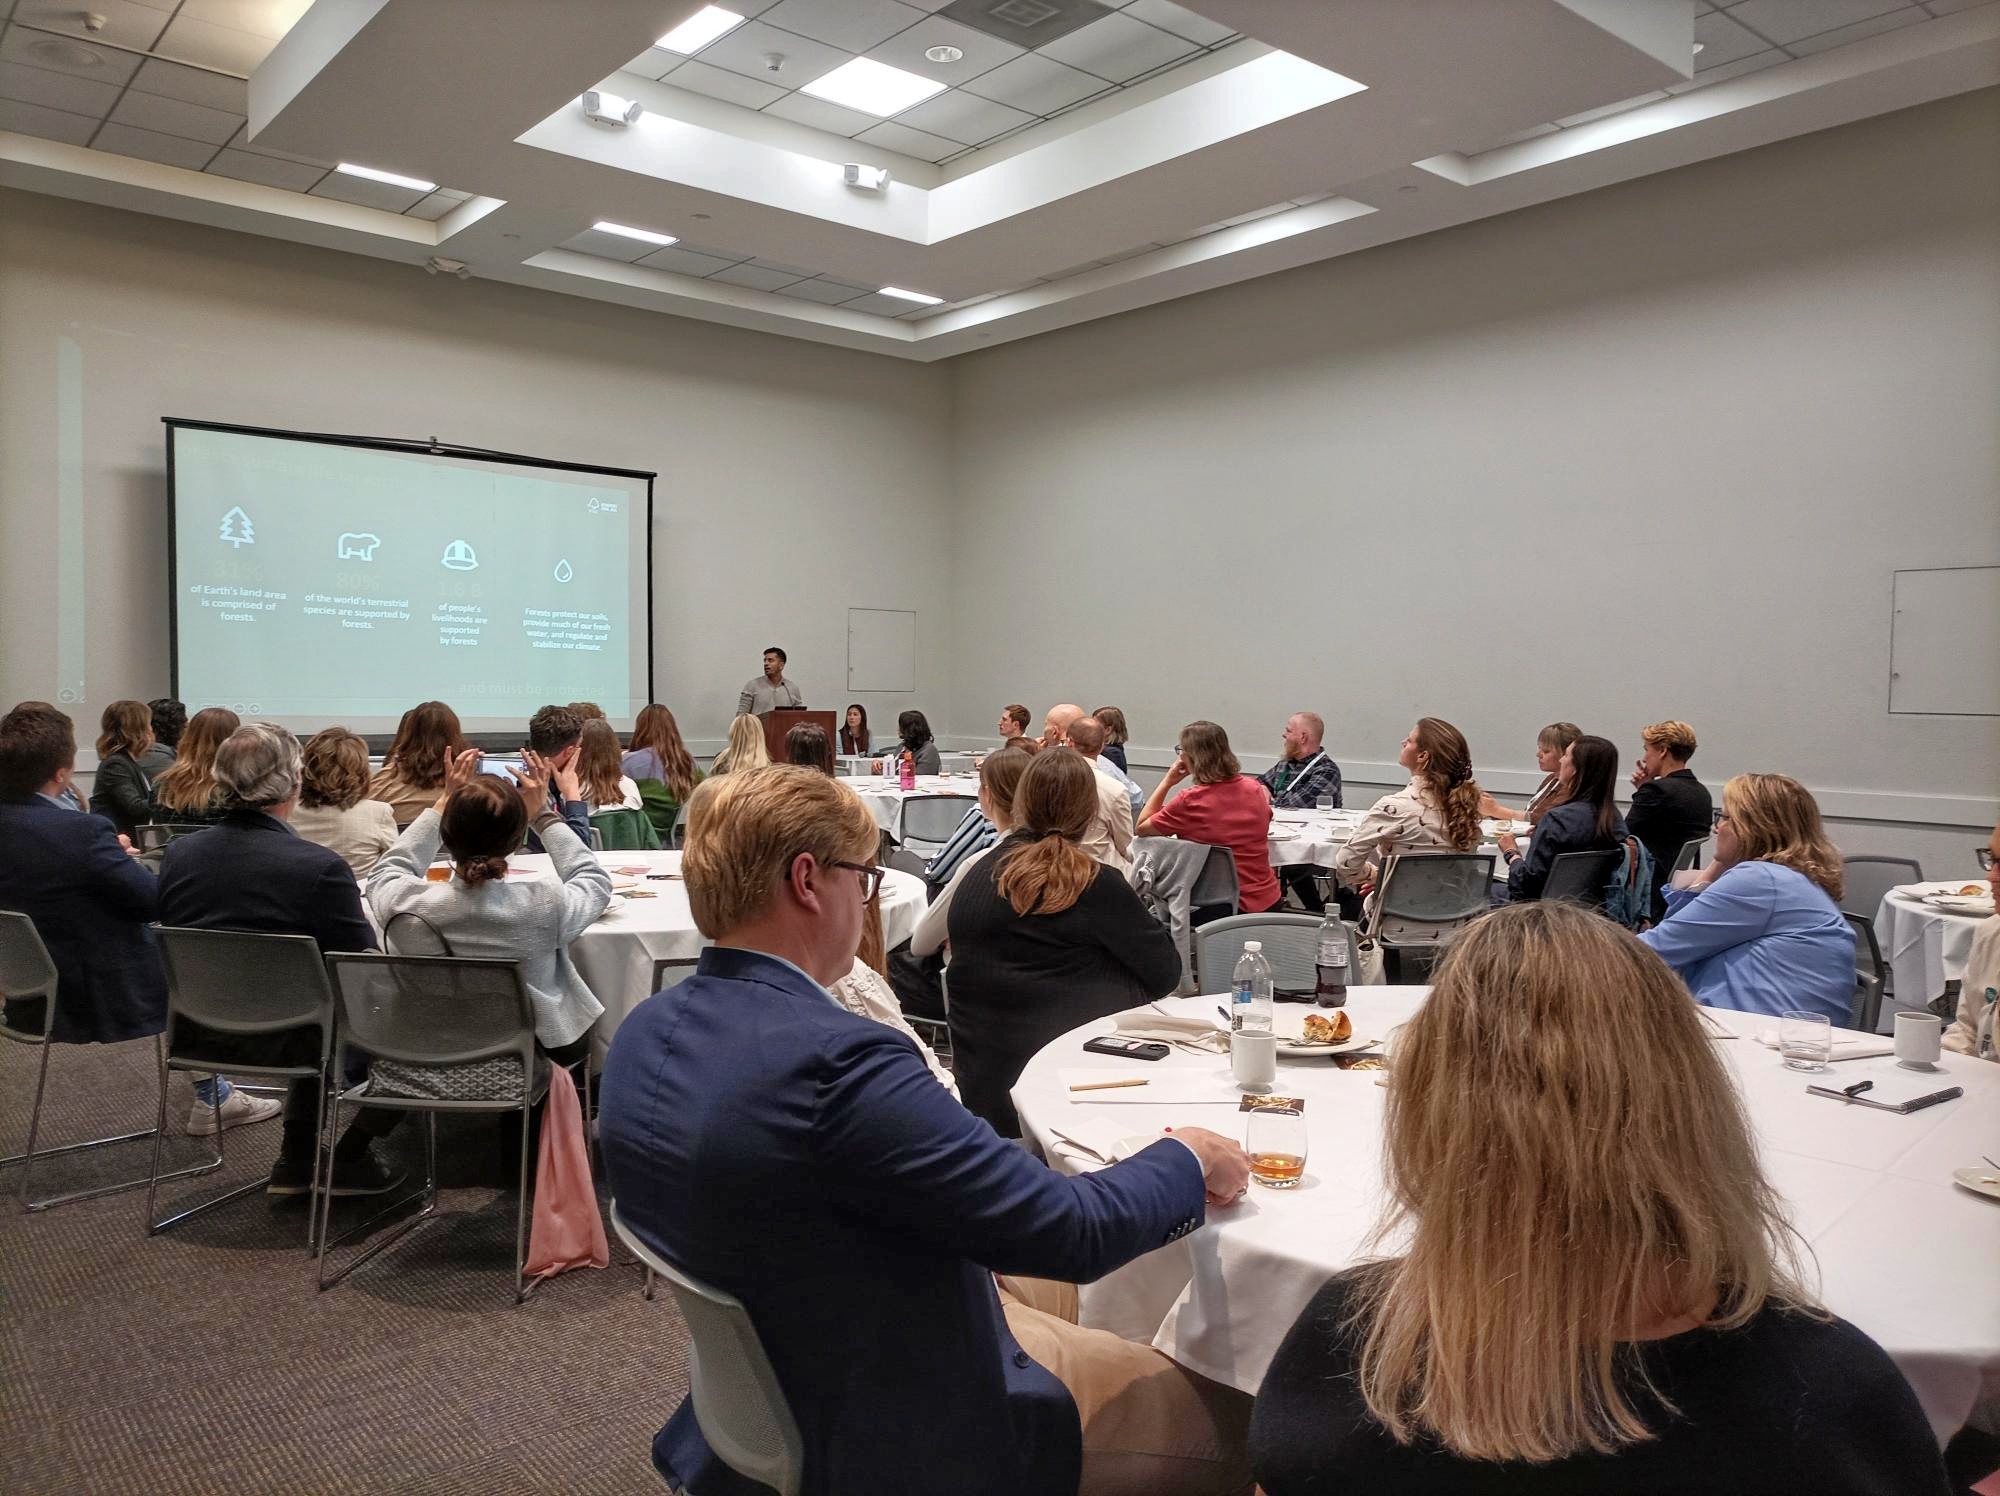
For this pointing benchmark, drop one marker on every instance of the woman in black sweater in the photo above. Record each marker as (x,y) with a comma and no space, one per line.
(1599,1290)
(1044,939)
(1584,819)
(121,792)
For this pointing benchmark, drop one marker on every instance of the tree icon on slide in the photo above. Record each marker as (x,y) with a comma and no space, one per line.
(237,529)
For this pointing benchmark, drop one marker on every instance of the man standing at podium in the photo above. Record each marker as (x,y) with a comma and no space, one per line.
(770,691)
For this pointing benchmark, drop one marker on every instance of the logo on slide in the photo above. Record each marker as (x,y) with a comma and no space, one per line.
(563,573)
(357,547)
(237,529)
(458,556)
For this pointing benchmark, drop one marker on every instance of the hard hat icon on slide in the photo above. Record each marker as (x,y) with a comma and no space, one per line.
(458,556)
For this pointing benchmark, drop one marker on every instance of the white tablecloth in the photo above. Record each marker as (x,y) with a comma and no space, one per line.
(885,796)
(1315,837)
(1902,1251)
(1925,946)
(616,954)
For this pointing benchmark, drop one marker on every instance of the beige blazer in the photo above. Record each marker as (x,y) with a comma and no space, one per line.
(1982,974)
(1109,839)
(360,834)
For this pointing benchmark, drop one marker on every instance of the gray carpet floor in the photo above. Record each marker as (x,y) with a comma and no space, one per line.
(204,1360)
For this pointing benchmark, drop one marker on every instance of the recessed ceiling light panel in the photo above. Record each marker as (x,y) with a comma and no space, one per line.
(415,184)
(917,296)
(872,87)
(699,29)
(623,231)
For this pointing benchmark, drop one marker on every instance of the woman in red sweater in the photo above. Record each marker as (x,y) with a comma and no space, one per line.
(1223,807)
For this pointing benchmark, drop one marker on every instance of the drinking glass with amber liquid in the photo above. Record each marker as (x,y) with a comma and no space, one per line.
(438,872)
(1276,1143)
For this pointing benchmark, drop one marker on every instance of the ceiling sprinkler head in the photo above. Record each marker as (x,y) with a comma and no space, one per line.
(94,21)
(943,54)
(774,62)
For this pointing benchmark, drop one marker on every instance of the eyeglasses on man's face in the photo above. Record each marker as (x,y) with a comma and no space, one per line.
(871,877)
(1985,856)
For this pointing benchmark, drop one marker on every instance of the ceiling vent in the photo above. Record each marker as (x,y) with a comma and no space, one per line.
(1026,23)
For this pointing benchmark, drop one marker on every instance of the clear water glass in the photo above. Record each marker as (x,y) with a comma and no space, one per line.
(1276,1143)
(1805,1040)
(1324,802)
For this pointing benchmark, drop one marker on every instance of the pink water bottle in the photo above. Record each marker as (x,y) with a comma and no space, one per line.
(906,770)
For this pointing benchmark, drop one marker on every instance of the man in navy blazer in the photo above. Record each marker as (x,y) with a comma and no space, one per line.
(776,1146)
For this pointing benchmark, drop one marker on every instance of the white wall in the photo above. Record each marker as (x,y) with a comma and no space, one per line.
(1649,452)
(795,480)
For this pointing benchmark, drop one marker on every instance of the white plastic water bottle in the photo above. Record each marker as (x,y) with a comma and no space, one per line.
(1250,991)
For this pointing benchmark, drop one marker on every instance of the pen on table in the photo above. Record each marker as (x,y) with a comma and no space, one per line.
(1222,1012)
(1108,1085)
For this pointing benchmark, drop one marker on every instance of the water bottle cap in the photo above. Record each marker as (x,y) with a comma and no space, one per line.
(1253,946)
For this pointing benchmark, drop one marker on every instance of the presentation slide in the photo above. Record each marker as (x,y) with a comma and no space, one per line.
(319,583)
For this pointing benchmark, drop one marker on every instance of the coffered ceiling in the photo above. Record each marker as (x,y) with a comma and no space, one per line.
(1049,161)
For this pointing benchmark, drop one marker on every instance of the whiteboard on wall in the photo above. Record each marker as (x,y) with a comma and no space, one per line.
(881,650)
(1944,642)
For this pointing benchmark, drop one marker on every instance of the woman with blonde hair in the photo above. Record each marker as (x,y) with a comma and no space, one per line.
(1044,938)
(1438,811)
(413,771)
(186,792)
(333,809)
(1760,929)
(1549,745)
(120,791)
(1224,807)
(745,749)
(1597,1289)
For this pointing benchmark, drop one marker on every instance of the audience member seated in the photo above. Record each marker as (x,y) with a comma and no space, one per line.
(827,1181)
(854,732)
(1055,726)
(254,872)
(74,877)
(1304,772)
(479,819)
(332,810)
(1087,736)
(1973,1031)
(1549,745)
(914,731)
(807,745)
(588,711)
(555,735)
(1116,736)
(1557,1074)
(744,750)
(1437,811)
(412,772)
(121,792)
(1223,807)
(1670,807)
(169,722)
(1584,817)
(185,793)
(1013,722)
(865,990)
(1043,938)
(1760,929)
(658,756)
(999,777)
(600,770)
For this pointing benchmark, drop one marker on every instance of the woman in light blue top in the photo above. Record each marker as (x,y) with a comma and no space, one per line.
(1758,930)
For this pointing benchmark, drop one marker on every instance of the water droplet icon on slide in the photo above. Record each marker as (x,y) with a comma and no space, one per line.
(563,573)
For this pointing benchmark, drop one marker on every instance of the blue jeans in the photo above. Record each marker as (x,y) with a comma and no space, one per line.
(212,1090)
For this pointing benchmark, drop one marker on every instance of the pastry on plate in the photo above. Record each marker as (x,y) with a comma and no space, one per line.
(1329,1028)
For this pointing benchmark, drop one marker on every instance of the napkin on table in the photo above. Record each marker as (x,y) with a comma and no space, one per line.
(1188,1033)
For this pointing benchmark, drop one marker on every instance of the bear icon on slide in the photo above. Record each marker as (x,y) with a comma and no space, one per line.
(355,547)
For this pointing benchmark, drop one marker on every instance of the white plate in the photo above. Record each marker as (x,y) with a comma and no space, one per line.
(1959,903)
(1979,1181)
(1294,1041)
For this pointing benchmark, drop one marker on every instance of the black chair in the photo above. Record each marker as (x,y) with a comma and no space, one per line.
(1871,976)
(1291,945)
(156,835)
(1689,856)
(1581,877)
(1868,880)
(234,982)
(671,969)
(1424,901)
(27,973)
(905,861)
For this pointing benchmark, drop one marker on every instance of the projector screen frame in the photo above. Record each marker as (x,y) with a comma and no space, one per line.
(430,447)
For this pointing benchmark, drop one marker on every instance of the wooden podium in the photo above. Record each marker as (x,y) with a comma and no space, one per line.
(779,723)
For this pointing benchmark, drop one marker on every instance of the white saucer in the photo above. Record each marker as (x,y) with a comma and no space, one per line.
(1980,1181)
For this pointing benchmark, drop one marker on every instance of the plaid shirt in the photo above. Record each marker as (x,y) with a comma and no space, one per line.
(1294,787)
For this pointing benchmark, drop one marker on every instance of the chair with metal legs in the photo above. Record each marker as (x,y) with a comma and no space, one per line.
(26,973)
(248,986)
(442,1013)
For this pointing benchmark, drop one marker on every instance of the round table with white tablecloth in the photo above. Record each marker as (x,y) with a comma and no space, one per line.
(1925,944)
(1314,837)
(885,797)
(615,955)
(1901,1251)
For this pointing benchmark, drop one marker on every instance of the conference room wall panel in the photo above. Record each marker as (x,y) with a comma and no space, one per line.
(795,480)
(1650,452)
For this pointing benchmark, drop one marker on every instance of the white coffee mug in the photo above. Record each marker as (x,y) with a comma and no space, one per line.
(1253,1060)
(1919,1039)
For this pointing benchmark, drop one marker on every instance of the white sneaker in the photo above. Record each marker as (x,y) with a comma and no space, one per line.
(239,1109)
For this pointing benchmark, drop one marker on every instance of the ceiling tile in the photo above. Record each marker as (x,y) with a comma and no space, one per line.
(266,18)
(212,46)
(883,306)
(756,277)
(720,83)
(241,142)
(1723,41)
(1118,48)
(683,261)
(1840,36)
(60,55)
(173,117)
(48,124)
(893,135)
(824,292)
(1036,84)
(654,62)
(193,86)
(958,115)
(796,272)
(151,145)
(52,90)
(1756,62)
(1170,17)
(906,50)
(267,171)
(1953,7)
(125,24)
(834,118)
(744,51)
(608,246)
(852,25)
(1784,21)
(367,194)
(436,205)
